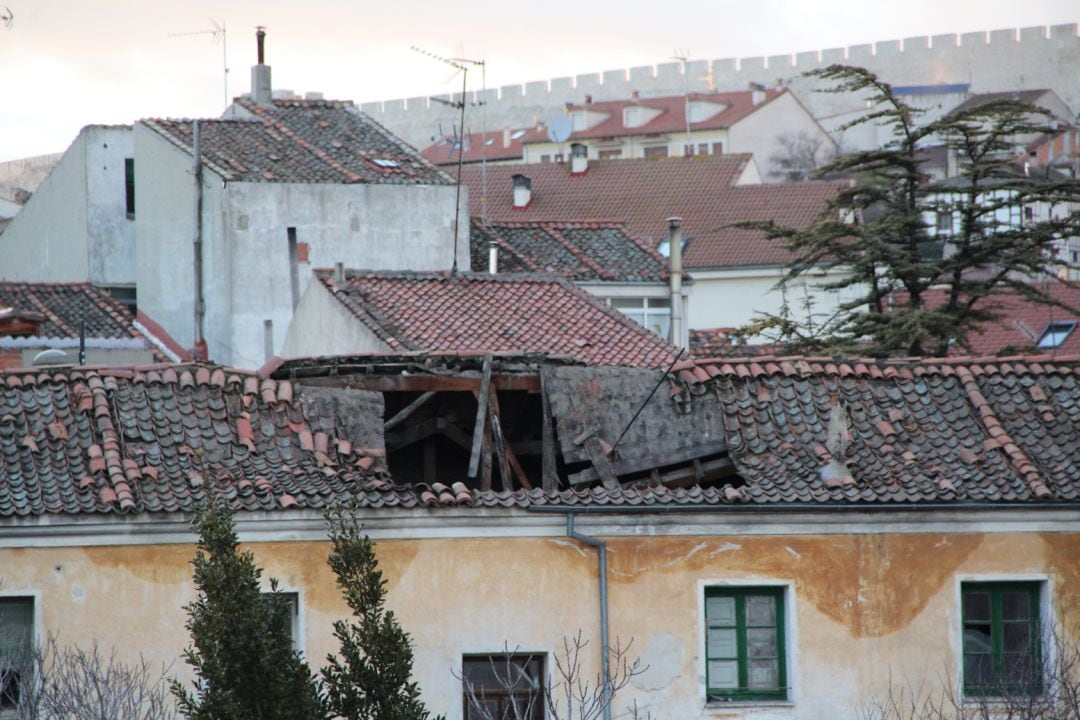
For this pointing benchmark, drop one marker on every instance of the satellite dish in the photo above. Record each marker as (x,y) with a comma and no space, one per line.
(559,129)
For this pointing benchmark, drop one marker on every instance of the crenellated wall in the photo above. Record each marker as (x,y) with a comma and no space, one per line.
(1033,57)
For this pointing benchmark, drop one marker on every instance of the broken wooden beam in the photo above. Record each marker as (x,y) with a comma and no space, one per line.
(602,463)
(628,467)
(481,414)
(423,383)
(549,476)
(408,410)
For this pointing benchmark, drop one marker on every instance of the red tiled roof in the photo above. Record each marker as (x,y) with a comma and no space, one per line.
(581,250)
(64,306)
(644,193)
(1030,97)
(161,438)
(495,313)
(1021,322)
(963,430)
(303,141)
(495,146)
(672,117)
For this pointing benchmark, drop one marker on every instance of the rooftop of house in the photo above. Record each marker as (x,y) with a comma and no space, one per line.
(1025,326)
(440,311)
(1031,97)
(708,111)
(788,432)
(579,250)
(704,191)
(63,310)
(492,146)
(302,141)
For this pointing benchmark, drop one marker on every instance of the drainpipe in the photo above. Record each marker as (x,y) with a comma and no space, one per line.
(200,350)
(675,276)
(602,553)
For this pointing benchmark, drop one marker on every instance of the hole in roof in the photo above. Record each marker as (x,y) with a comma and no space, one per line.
(386,162)
(1056,333)
(517,134)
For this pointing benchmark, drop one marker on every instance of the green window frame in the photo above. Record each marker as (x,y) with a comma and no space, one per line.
(745,643)
(1002,648)
(129,187)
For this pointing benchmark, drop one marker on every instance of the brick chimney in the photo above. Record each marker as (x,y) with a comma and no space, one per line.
(261,89)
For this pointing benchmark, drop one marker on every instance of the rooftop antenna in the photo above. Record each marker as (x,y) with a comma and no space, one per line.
(683,56)
(8,18)
(462,66)
(217,33)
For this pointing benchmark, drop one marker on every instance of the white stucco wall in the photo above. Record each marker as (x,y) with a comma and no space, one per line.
(74,227)
(246,252)
(784,116)
(323,326)
(731,298)
(47,240)
(110,233)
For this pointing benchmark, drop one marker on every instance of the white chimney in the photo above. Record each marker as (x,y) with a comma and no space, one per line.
(522,191)
(506,137)
(579,159)
(757,93)
(493,258)
(261,89)
(675,258)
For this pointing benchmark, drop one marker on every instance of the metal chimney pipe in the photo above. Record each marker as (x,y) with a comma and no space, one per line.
(260,41)
(339,273)
(675,256)
(493,258)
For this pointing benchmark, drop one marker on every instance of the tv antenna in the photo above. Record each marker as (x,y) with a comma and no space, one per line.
(683,56)
(217,33)
(8,17)
(460,65)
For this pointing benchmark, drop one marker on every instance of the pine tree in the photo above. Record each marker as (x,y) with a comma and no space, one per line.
(371,677)
(913,291)
(241,652)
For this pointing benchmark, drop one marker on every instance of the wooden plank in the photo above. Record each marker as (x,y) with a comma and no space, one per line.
(653,461)
(408,410)
(511,461)
(485,470)
(481,413)
(518,470)
(423,383)
(602,463)
(500,446)
(548,466)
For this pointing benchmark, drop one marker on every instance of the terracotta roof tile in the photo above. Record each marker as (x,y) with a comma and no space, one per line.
(579,250)
(303,141)
(471,312)
(644,193)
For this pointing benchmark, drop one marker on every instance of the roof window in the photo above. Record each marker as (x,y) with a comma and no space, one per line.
(517,134)
(1055,334)
(386,162)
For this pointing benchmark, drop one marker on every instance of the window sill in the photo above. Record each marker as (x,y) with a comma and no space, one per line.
(726,704)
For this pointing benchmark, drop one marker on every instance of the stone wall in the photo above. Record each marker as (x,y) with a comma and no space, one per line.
(1032,57)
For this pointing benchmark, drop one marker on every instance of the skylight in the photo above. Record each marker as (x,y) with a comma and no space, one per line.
(386,162)
(517,134)
(1055,334)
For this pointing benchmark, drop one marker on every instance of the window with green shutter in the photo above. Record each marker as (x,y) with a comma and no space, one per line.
(16,650)
(744,643)
(1002,653)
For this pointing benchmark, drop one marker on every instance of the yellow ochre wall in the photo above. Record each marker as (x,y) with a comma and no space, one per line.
(864,607)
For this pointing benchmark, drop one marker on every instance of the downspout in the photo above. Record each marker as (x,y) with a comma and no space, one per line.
(602,553)
(200,350)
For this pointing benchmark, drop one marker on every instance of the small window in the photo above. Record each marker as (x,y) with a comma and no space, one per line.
(16,649)
(1055,334)
(1001,638)
(517,135)
(610,154)
(657,151)
(503,687)
(129,187)
(386,163)
(944,222)
(718,148)
(744,644)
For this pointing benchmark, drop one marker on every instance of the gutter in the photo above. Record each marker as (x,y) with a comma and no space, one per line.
(795,508)
(601,548)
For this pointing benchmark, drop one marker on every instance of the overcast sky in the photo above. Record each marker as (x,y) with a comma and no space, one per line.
(69,63)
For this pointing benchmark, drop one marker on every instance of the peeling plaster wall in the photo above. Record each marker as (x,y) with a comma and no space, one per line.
(863,608)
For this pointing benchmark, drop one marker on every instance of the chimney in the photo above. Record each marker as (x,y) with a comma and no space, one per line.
(675,258)
(522,191)
(588,99)
(506,137)
(493,258)
(339,273)
(579,159)
(757,93)
(635,95)
(261,89)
